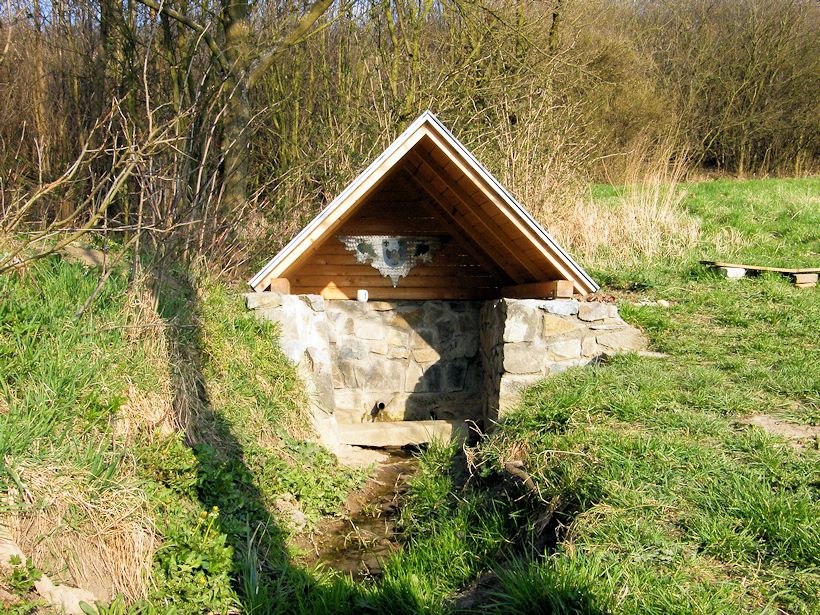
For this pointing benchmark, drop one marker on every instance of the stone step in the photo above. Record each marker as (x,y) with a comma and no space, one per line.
(401,433)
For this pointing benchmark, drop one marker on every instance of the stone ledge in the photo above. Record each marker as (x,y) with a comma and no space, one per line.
(401,433)
(258,301)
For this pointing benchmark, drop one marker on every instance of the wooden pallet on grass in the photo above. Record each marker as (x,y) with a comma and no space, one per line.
(802,278)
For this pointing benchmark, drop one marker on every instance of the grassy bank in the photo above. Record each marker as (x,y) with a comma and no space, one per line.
(654,497)
(150,437)
(162,425)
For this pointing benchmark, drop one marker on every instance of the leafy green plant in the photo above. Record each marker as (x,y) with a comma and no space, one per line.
(193,568)
(23,576)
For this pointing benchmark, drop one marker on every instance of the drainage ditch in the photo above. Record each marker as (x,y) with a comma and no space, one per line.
(362,540)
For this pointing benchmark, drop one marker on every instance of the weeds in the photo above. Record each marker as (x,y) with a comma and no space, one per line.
(651,496)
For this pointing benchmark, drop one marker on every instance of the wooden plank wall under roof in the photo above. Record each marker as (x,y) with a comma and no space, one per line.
(469,201)
(461,269)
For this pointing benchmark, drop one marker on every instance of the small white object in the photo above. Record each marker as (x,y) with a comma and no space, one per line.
(733,273)
(361,295)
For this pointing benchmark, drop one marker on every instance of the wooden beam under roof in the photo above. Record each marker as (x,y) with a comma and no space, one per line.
(466,169)
(428,165)
(554,289)
(460,234)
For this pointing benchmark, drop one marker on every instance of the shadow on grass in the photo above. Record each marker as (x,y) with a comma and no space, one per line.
(263,576)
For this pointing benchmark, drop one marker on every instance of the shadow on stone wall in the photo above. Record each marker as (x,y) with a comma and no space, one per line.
(420,358)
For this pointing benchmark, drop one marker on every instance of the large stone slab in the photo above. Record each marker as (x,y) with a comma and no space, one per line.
(257,301)
(594,311)
(401,433)
(626,340)
(523,358)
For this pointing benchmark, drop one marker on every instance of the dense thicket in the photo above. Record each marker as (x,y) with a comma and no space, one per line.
(181,117)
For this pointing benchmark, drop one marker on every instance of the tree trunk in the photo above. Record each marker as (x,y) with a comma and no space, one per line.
(237,104)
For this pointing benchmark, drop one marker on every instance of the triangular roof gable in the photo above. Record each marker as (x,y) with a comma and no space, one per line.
(356,192)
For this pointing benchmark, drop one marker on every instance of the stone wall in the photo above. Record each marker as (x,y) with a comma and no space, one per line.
(493,320)
(436,359)
(304,335)
(420,358)
(532,339)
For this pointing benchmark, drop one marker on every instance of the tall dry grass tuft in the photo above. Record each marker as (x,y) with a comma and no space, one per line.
(86,531)
(643,219)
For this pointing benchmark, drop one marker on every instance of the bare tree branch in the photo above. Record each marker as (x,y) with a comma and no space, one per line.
(193,25)
(296,35)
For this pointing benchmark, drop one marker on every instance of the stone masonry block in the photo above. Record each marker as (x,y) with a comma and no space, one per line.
(426,355)
(589,348)
(564,349)
(556,325)
(626,340)
(369,328)
(592,311)
(523,358)
(523,322)
(351,348)
(398,352)
(256,301)
(560,307)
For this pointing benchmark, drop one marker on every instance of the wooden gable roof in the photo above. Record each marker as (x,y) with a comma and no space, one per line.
(426,182)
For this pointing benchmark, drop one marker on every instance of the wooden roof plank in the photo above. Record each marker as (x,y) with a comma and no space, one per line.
(510,215)
(470,243)
(532,268)
(445,147)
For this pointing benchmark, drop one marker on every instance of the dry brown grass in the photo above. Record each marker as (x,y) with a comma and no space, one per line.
(100,539)
(645,220)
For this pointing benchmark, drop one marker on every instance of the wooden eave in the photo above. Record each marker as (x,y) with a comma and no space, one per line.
(470,200)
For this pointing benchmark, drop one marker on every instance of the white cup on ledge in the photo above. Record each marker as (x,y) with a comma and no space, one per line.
(361,295)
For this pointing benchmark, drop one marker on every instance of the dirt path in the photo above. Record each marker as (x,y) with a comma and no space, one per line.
(359,542)
(799,435)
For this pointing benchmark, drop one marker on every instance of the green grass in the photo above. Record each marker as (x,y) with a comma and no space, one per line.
(236,440)
(667,503)
(653,498)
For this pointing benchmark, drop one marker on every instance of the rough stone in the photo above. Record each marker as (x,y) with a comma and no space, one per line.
(519,331)
(431,381)
(382,375)
(422,337)
(556,325)
(456,375)
(346,370)
(426,355)
(314,302)
(593,310)
(412,376)
(627,340)
(564,349)
(560,307)
(557,368)
(351,348)
(398,352)
(589,347)
(402,433)
(608,327)
(378,346)
(523,358)
(256,301)
(369,328)
(379,306)
(523,321)
(396,337)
